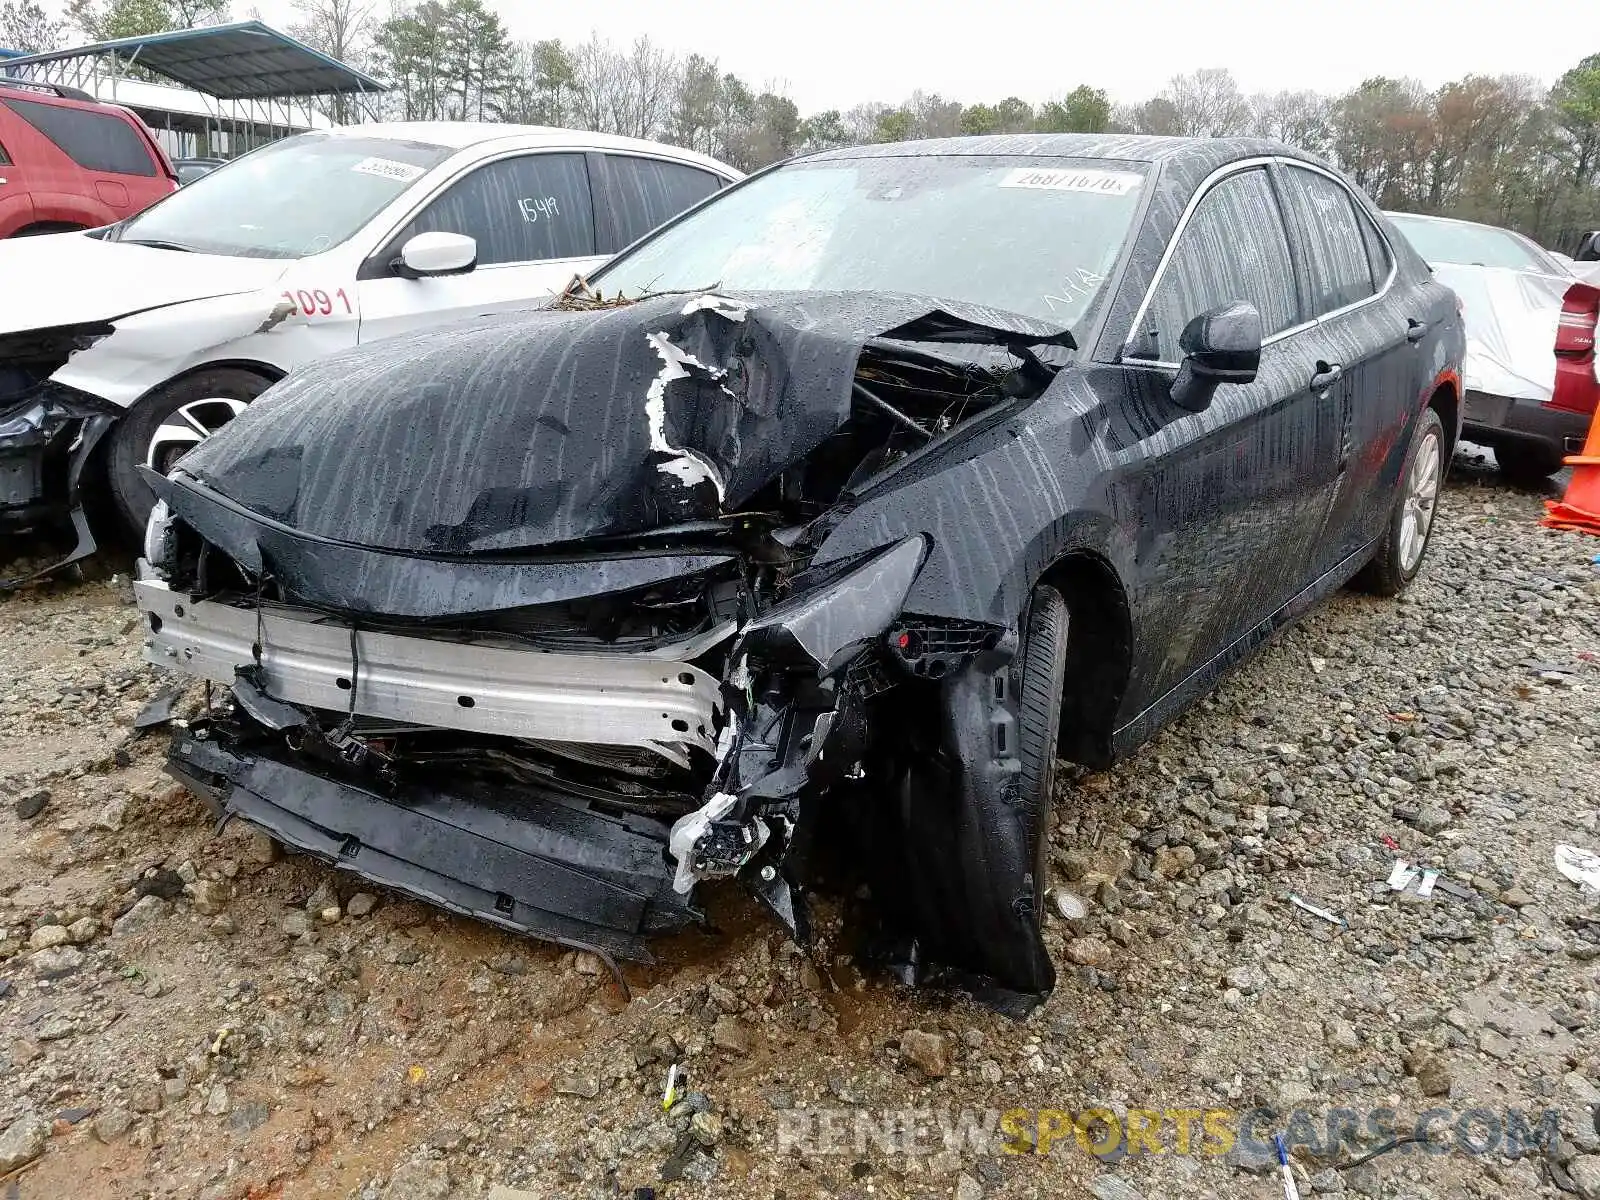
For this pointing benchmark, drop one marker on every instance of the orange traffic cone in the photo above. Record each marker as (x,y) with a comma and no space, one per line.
(1579,509)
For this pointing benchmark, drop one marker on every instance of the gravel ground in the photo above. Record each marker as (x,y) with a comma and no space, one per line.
(184,1013)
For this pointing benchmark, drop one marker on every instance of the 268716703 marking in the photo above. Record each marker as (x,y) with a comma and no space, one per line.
(316,302)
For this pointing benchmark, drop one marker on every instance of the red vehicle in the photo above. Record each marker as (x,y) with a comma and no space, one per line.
(1577,388)
(68,161)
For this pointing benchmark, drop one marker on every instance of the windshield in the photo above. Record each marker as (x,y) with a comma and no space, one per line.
(1030,235)
(289,199)
(1472,245)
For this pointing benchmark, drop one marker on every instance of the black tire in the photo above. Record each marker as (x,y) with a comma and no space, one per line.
(1041,677)
(1387,573)
(130,440)
(1528,462)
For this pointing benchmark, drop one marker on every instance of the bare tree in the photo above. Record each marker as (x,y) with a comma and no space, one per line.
(1207,103)
(1301,119)
(860,123)
(341,29)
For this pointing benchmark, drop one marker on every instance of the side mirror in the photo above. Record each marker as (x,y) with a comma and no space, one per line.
(1589,247)
(1220,346)
(431,254)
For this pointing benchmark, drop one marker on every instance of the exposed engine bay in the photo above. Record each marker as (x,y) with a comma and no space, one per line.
(561,703)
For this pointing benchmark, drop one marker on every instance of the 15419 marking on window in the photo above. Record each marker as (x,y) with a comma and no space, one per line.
(1105,183)
(536,207)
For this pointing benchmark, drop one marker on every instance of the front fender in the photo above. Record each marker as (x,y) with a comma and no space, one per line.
(147,349)
(994,523)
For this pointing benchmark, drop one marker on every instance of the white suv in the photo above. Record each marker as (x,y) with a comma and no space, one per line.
(151,333)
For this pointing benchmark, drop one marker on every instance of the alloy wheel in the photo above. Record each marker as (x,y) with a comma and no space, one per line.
(1421,498)
(186,427)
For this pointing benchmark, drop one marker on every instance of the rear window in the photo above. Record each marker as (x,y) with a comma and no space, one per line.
(95,141)
(645,192)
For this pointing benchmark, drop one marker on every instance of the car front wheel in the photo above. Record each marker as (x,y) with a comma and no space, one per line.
(1405,542)
(1041,682)
(165,426)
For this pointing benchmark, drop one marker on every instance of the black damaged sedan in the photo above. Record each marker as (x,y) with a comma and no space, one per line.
(798,543)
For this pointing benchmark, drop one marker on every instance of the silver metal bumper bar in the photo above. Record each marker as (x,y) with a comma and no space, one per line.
(607,699)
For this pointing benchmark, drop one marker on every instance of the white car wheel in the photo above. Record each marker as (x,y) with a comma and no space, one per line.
(186,427)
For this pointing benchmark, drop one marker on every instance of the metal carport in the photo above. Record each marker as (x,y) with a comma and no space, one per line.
(238,84)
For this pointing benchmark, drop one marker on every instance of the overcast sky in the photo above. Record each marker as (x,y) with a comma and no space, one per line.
(835,53)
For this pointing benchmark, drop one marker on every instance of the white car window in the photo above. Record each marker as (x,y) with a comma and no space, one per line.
(524,209)
(645,192)
(289,199)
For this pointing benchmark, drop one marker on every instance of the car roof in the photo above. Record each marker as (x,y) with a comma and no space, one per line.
(1124,147)
(1409,216)
(462,135)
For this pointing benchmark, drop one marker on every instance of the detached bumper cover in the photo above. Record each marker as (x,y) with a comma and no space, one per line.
(534,862)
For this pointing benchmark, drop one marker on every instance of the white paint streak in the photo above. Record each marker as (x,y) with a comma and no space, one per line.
(687,466)
(732,310)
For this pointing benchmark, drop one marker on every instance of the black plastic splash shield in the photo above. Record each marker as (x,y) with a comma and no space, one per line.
(525,861)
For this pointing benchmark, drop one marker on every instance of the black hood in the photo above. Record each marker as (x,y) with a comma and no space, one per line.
(541,427)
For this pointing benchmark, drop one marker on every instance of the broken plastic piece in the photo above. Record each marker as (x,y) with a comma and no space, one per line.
(160,710)
(675,1076)
(1326,914)
(687,831)
(1290,1192)
(1401,875)
(1580,866)
(1425,888)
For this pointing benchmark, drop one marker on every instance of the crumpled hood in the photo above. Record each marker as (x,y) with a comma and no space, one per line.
(531,429)
(72,278)
(1511,319)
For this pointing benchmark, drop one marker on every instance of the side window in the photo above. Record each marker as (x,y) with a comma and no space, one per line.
(1233,248)
(642,193)
(5,159)
(518,209)
(94,141)
(1341,271)
(1377,249)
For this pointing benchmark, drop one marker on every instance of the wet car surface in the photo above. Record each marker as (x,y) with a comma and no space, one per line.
(805,536)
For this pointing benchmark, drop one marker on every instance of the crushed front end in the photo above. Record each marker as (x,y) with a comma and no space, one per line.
(47,433)
(529,771)
(569,706)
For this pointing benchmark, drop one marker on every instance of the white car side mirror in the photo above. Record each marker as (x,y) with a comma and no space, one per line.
(430,254)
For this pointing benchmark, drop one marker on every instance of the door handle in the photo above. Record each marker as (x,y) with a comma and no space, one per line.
(1327,375)
(1415,330)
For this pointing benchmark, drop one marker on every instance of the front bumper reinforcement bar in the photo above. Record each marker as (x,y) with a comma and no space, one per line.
(615,699)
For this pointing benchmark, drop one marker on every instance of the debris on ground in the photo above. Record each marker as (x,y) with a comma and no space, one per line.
(1580,866)
(400,1051)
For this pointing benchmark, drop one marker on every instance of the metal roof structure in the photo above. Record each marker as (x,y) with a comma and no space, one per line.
(246,60)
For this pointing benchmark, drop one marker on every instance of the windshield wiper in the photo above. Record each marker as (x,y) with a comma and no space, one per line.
(157,244)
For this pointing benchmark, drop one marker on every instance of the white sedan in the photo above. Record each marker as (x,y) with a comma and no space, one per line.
(122,347)
(1514,296)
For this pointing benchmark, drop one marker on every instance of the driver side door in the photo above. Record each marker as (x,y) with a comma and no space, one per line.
(532,216)
(1229,500)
